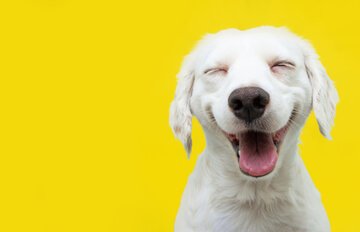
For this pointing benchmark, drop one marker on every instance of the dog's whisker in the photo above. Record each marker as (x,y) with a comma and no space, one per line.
(294,123)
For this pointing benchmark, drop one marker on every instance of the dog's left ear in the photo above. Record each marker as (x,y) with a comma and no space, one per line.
(324,94)
(180,111)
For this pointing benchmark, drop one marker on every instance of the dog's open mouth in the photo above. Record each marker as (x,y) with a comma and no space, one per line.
(257,152)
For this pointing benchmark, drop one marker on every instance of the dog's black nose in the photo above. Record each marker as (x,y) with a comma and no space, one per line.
(248,103)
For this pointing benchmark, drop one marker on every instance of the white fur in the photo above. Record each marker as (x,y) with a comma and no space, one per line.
(218,196)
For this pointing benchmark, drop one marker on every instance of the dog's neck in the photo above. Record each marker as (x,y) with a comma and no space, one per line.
(222,166)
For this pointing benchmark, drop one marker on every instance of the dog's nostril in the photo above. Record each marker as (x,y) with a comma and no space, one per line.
(260,101)
(236,104)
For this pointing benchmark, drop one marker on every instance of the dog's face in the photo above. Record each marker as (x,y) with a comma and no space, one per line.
(253,90)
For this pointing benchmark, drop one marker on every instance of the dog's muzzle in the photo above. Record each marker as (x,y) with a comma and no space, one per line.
(257,151)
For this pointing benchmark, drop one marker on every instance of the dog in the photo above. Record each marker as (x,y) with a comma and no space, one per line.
(252,91)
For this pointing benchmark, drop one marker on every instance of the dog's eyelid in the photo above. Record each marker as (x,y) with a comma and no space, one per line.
(215,70)
(283,63)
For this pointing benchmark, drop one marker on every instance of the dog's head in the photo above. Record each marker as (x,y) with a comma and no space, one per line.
(253,90)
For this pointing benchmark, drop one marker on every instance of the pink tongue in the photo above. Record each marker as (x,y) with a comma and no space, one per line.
(258,154)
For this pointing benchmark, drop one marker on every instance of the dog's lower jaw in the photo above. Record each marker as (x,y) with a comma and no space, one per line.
(217,194)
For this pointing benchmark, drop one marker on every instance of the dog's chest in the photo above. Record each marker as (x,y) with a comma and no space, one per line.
(225,205)
(252,218)
(221,214)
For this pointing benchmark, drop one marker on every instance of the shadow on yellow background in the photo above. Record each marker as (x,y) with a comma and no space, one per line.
(84,98)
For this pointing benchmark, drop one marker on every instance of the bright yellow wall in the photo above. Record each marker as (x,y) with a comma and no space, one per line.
(85,88)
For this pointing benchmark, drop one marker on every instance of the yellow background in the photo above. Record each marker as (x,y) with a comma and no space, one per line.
(85,88)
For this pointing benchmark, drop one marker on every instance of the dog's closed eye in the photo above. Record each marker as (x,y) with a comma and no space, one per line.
(281,65)
(216,70)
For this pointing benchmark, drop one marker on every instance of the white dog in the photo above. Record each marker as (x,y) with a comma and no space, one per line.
(251,91)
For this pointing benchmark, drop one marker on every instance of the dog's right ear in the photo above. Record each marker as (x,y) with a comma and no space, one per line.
(180,112)
(325,96)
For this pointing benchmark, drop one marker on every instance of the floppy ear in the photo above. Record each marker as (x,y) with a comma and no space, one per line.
(180,112)
(324,94)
